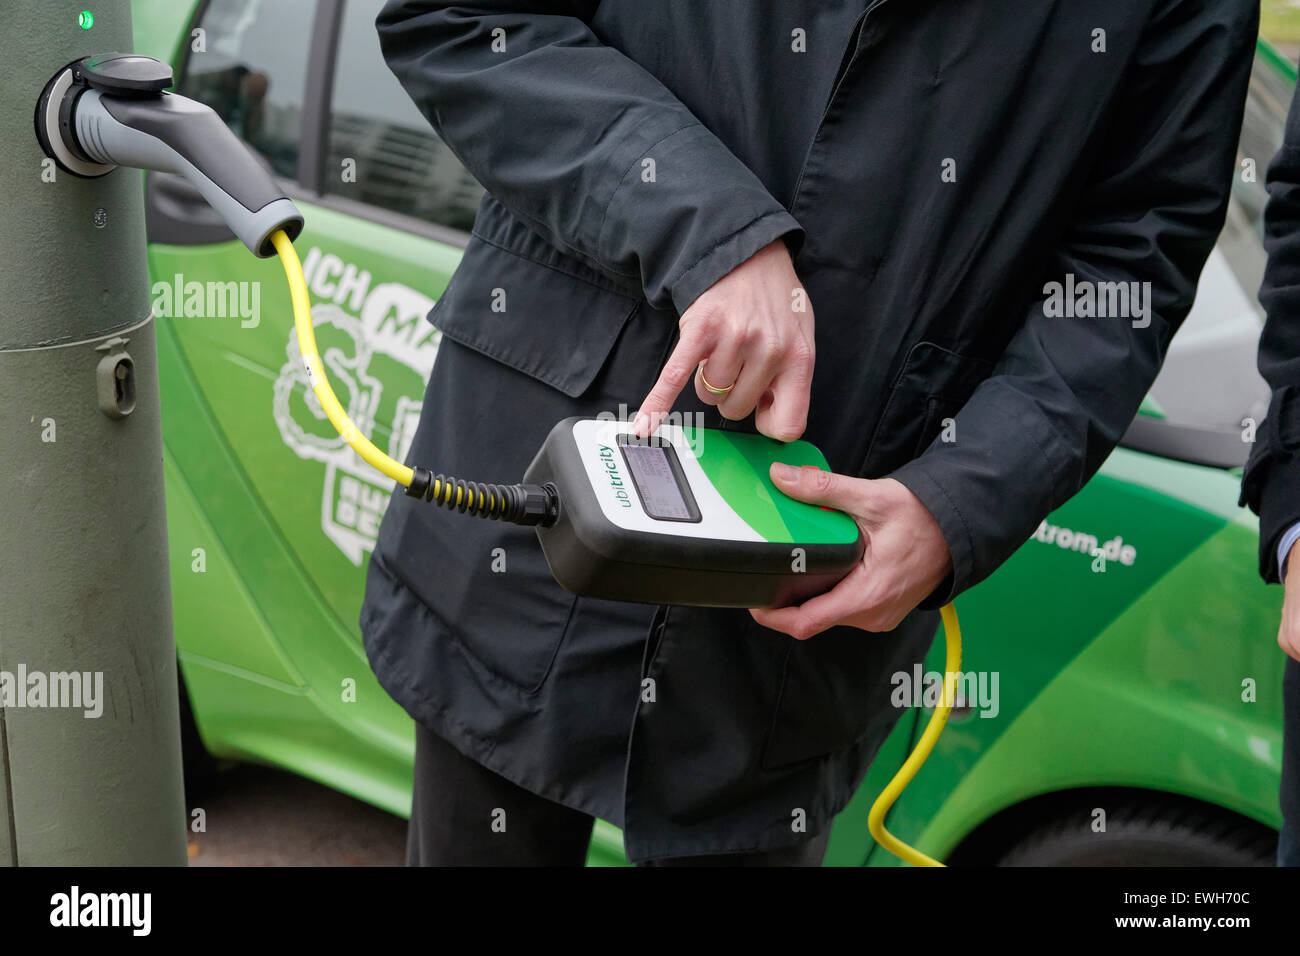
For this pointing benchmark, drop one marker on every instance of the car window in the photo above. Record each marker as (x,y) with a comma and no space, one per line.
(382,151)
(1209,380)
(250,65)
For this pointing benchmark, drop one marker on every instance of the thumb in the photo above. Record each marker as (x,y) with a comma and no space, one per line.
(816,487)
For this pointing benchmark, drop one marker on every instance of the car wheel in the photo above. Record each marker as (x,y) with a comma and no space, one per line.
(1146,835)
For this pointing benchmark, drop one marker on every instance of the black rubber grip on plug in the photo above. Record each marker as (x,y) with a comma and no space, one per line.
(518,504)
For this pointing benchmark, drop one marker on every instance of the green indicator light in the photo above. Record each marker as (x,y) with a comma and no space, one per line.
(86,20)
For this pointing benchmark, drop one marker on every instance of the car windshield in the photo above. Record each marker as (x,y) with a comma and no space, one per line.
(1217,344)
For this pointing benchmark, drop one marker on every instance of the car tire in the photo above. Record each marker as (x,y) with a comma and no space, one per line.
(1146,834)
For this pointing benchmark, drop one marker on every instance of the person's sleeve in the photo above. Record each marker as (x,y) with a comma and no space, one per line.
(580,142)
(1271,483)
(1284,547)
(1065,389)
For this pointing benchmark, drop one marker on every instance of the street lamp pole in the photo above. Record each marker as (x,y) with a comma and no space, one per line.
(89,723)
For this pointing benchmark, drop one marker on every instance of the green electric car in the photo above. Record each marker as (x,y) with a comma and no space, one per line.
(1124,704)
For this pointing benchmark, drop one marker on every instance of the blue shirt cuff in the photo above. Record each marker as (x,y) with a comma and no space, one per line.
(1284,548)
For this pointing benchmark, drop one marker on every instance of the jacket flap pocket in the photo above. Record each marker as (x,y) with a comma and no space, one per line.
(933,384)
(556,322)
(934,370)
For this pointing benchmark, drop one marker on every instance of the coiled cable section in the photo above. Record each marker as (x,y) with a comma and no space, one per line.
(518,504)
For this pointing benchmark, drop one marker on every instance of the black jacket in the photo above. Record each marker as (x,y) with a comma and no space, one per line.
(932,163)
(1271,484)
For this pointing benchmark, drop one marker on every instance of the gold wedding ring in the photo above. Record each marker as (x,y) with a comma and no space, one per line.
(713,388)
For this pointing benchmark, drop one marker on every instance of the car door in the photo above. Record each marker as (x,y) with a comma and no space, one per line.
(272,517)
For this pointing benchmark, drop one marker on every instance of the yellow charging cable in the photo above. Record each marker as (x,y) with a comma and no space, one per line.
(320,383)
(876,818)
(520,503)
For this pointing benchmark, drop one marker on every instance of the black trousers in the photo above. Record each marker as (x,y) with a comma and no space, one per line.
(1288,849)
(463,814)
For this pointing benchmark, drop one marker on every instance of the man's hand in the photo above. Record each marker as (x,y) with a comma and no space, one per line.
(752,330)
(906,556)
(1288,635)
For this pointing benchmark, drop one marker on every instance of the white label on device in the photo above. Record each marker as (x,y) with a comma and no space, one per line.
(621,503)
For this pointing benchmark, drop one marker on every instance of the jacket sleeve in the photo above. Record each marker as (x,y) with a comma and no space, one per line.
(1271,484)
(560,127)
(1065,389)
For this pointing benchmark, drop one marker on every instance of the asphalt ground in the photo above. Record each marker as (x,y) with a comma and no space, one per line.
(257,816)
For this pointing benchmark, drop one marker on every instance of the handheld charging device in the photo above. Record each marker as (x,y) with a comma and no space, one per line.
(685,516)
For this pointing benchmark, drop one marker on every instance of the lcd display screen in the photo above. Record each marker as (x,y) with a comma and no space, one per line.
(660,484)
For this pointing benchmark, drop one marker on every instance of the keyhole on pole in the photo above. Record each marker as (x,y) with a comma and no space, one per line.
(115,379)
(124,385)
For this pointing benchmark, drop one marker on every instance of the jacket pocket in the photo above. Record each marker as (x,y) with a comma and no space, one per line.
(932,387)
(653,637)
(534,310)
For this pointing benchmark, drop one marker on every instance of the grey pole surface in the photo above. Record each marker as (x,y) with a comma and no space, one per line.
(84,586)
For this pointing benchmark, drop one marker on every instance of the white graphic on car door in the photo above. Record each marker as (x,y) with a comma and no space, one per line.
(378,363)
